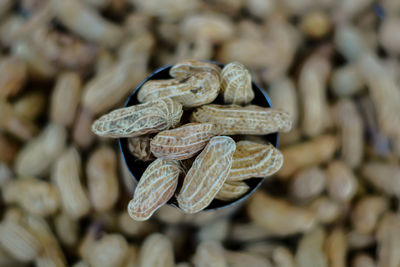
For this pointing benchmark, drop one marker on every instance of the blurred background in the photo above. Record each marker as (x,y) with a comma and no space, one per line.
(333,65)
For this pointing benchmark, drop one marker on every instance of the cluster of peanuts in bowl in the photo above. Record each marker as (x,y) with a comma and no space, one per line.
(212,163)
(332,65)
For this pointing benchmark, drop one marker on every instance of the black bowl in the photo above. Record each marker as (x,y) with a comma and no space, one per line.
(137,167)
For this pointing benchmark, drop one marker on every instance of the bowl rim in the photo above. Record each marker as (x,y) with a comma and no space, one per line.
(136,180)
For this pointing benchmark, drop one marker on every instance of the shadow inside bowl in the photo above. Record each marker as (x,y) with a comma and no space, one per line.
(137,167)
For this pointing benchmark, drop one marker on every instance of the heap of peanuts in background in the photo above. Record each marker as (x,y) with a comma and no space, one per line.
(332,65)
(219,170)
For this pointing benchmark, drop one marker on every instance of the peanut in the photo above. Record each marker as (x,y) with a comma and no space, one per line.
(234,119)
(31,105)
(312,86)
(67,229)
(309,153)
(183,142)
(140,119)
(85,21)
(367,212)
(192,91)
(336,248)
(36,157)
(36,196)
(341,182)
(278,217)
(214,162)
(186,68)
(352,132)
(109,250)
(13,76)
(65,98)
(236,87)
(19,240)
(101,172)
(237,259)
(284,96)
(14,123)
(232,190)
(308,183)
(310,249)
(383,176)
(252,159)
(160,245)
(67,177)
(140,147)
(156,186)
(51,253)
(209,253)
(388,239)
(325,209)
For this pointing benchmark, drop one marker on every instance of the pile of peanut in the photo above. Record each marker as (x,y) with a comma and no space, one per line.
(216,166)
(333,66)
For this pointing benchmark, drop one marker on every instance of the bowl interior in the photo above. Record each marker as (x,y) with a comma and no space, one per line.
(137,167)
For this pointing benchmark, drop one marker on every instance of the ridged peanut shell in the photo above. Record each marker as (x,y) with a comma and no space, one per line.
(156,186)
(232,190)
(183,142)
(236,84)
(252,159)
(140,147)
(140,119)
(192,91)
(207,174)
(185,68)
(234,119)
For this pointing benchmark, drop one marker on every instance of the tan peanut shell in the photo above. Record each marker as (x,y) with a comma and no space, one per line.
(109,88)
(214,162)
(252,159)
(109,250)
(388,239)
(14,123)
(140,147)
(234,119)
(156,186)
(336,247)
(140,119)
(192,91)
(102,178)
(210,253)
(284,96)
(307,183)
(312,86)
(351,126)
(183,142)
(279,217)
(160,245)
(186,68)
(232,190)
(13,74)
(19,240)
(67,229)
(236,85)
(65,98)
(31,105)
(309,153)
(310,251)
(67,177)
(51,253)
(36,157)
(367,212)
(36,196)
(341,182)
(383,176)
